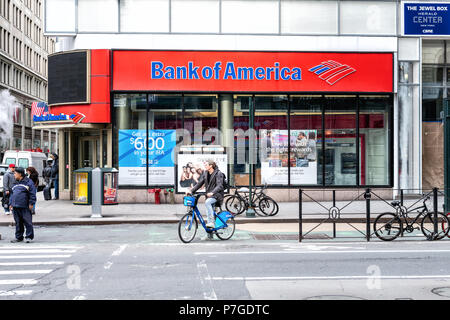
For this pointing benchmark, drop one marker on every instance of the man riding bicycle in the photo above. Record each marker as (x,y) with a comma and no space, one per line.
(213,180)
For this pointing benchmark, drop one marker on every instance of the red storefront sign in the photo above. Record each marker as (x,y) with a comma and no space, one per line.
(233,71)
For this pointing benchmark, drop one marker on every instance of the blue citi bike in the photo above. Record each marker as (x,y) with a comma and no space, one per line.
(188,225)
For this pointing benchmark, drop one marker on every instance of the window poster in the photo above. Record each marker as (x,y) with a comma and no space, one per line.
(191,166)
(133,157)
(274,155)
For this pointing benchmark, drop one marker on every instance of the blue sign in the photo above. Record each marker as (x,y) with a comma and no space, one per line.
(426,18)
(133,156)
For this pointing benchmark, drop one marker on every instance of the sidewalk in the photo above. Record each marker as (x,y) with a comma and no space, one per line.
(64,212)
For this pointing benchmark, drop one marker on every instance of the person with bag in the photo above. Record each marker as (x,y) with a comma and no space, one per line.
(34,176)
(55,174)
(21,202)
(47,175)
(8,182)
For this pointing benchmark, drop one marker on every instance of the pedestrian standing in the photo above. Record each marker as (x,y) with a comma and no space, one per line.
(47,175)
(34,176)
(55,174)
(21,202)
(8,182)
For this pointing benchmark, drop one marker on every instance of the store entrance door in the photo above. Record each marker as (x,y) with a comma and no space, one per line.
(89,155)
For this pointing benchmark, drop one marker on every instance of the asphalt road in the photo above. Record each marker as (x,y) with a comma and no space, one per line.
(134,262)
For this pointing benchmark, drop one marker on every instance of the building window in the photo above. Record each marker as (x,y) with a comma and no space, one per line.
(435,78)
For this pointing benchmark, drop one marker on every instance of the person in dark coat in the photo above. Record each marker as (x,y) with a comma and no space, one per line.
(213,180)
(21,202)
(34,176)
(8,182)
(47,175)
(55,174)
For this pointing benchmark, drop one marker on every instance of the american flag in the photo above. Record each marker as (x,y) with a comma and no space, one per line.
(39,109)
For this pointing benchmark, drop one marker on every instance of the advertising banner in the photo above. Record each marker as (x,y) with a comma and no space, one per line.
(191,166)
(426,18)
(243,71)
(133,157)
(275,157)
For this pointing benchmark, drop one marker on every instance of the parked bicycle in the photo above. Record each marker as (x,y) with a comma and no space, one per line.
(188,225)
(239,202)
(388,226)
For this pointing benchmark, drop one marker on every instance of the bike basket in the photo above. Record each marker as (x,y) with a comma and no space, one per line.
(189,201)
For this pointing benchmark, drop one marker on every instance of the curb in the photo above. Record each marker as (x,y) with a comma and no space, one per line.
(101,221)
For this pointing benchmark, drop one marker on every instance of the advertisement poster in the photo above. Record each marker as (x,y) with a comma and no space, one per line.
(275,156)
(133,157)
(191,166)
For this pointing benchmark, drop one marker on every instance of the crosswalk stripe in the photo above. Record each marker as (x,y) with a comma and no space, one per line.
(15,293)
(18,281)
(37,256)
(32,263)
(31,247)
(36,251)
(8,272)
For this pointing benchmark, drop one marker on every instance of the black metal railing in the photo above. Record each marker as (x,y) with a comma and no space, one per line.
(321,212)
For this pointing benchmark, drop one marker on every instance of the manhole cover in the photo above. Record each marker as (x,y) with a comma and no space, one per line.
(317,236)
(275,236)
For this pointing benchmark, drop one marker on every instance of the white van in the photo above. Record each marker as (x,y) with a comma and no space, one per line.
(26,159)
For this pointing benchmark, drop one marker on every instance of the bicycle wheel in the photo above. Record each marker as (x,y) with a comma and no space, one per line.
(443,225)
(187,228)
(268,206)
(387,226)
(235,205)
(227,233)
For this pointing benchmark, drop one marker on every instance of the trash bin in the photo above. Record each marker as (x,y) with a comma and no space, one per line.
(110,182)
(82,179)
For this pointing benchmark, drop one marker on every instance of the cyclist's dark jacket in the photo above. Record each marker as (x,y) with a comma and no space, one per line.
(215,184)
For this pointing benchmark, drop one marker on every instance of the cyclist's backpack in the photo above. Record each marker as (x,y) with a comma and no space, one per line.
(226,185)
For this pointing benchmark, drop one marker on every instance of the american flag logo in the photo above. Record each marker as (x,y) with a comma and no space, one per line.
(39,109)
(332,71)
(78,117)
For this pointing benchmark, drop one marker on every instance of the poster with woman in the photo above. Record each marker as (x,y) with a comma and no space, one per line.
(191,166)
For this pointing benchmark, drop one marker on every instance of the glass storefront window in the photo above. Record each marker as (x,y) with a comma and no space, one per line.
(374,135)
(432,75)
(433,52)
(294,140)
(273,136)
(432,103)
(306,136)
(165,111)
(340,160)
(130,113)
(241,120)
(200,119)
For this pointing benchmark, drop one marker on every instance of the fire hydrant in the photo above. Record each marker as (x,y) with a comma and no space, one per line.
(156,192)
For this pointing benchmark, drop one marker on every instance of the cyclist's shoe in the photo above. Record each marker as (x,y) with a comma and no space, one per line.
(208,236)
(210,225)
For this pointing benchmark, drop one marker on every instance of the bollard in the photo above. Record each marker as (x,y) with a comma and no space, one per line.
(97,193)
